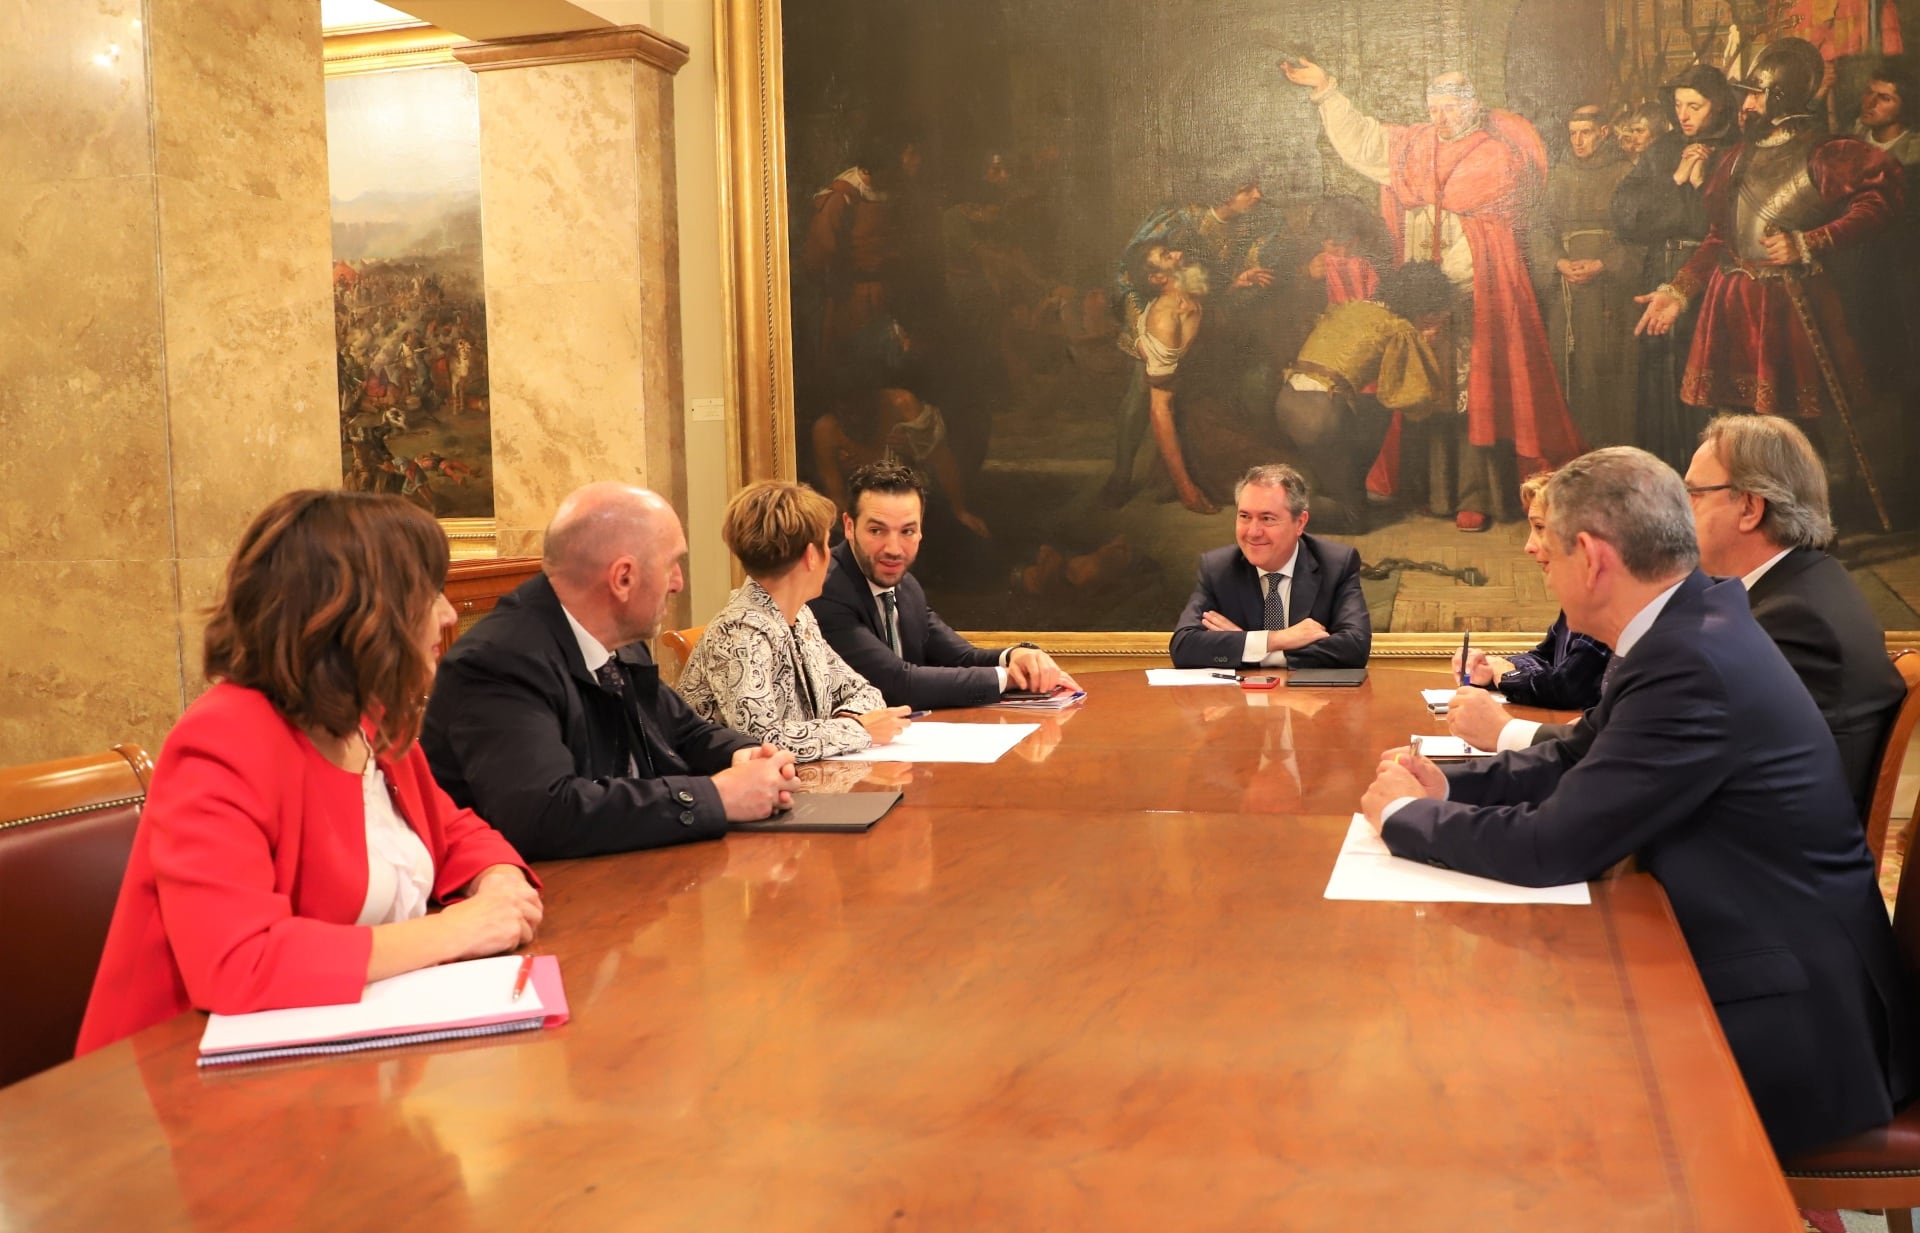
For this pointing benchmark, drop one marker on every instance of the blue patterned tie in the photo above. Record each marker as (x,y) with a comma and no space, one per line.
(1276,614)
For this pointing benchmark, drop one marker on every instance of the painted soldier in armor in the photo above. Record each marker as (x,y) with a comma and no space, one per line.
(1771,336)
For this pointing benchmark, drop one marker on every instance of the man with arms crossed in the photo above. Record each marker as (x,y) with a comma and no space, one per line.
(874,613)
(1760,513)
(1706,759)
(1279,598)
(549,719)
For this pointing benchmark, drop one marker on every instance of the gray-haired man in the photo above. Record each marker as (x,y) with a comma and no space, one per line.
(1706,759)
(1760,512)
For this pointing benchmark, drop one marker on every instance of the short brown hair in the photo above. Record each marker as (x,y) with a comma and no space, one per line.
(885,475)
(768,525)
(324,602)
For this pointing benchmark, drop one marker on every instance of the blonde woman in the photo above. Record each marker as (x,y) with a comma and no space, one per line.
(761,666)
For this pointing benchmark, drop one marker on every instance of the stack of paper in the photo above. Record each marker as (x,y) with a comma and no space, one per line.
(1445,748)
(929,741)
(1366,870)
(450,1002)
(1059,698)
(1191,676)
(1438,699)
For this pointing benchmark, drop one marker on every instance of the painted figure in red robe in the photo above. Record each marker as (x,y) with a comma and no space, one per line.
(1455,191)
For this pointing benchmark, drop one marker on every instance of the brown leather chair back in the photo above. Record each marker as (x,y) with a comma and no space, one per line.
(66,831)
(1887,780)
(678,647)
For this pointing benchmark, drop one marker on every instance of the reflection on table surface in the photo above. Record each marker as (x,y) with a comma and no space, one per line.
(1092,986)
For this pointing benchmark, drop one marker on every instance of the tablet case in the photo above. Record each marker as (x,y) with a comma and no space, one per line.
(1326,678)
(826,811)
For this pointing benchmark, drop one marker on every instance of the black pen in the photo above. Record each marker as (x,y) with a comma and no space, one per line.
(1227,676)
(1466,676)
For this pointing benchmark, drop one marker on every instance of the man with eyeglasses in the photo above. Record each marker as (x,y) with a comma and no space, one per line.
(1759,497)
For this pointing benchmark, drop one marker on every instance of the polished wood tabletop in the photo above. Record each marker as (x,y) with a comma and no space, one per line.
(1093,986)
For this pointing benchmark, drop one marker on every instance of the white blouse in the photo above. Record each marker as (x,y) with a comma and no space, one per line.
(399,867)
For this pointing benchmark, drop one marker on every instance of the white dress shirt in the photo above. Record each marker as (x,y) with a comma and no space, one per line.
(596,656)
(1256,648)
(1518,733)
(399,867)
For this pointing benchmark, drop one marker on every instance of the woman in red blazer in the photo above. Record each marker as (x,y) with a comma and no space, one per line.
(293,834)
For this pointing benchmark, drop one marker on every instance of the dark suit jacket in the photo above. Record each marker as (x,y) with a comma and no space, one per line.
(1820,621)
(935,668)
(1326,587)
(521,733)
(1705,759)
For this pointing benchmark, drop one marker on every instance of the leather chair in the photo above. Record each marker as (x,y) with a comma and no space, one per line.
(678,645)
(66,833)
(1881,1168)
(1887,781)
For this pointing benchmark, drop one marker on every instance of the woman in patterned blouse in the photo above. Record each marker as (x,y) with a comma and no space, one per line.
(762,667)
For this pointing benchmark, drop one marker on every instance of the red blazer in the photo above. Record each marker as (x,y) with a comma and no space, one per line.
(249,868)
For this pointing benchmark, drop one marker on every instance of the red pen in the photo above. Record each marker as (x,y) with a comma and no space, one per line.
(520,981)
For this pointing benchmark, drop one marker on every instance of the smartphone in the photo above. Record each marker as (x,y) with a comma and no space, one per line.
(1259,682)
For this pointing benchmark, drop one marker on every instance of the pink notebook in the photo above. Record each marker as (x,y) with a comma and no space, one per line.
(455,1001)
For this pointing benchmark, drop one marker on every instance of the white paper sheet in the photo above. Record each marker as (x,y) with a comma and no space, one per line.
(928,741)
(1438,700)
(476,991)
(1191,676)
(1446,748)
(1366,870)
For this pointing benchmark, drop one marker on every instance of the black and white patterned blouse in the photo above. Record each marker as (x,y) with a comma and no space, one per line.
(782,683)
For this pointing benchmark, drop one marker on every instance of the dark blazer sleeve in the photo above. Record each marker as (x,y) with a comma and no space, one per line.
(922,687)
(1564,671)
(707,747)
(1342,609)
(500,725)
(1536,817)
(1193,644)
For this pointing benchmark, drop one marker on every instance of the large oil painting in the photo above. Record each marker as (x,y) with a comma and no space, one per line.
(1082,262)
(410,324)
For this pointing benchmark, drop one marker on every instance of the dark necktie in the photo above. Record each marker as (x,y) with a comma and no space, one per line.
(892,606)
(613,679)
(1276,614)
(1606,676)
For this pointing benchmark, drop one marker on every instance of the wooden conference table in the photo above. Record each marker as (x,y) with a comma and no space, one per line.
(1091,987)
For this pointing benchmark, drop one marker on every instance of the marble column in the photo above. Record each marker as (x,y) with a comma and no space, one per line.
(165,340)
(581,244)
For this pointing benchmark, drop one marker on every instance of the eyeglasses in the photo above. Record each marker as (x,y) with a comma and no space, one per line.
(1703,490)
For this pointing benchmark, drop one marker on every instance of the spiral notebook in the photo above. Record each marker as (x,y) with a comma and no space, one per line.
(455,1001)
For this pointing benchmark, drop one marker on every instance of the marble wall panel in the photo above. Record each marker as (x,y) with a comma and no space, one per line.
(240,95)
(561,191)
(664,392)
(93,658)
(82,423)
(75,102)
(567,370)
(251,387)
(201,581)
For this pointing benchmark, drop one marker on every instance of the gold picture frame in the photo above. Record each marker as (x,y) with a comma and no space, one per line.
(756,270)
(756,265)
